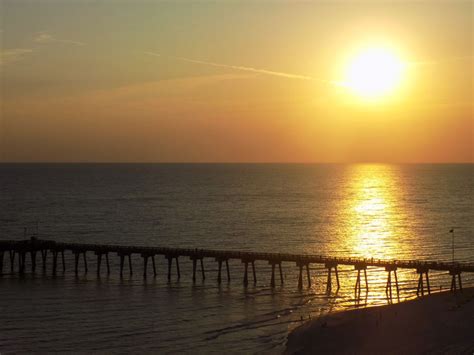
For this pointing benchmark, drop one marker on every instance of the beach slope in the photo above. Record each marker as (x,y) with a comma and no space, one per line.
(437,324)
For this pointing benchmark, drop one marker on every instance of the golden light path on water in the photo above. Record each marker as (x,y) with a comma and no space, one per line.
(377,218)
(374,223)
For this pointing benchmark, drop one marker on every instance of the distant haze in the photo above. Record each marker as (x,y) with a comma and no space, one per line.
(179,81)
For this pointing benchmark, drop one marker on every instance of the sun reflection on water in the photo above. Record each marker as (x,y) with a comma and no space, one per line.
(374,213)
(374,223)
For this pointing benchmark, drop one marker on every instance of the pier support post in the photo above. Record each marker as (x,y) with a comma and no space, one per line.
(272,281)
(308,274)
(396,283)
(44,255)
(177,268)
(195,258)
(246,269)
(12,260)
(281,273)
(228,269)
(202,270)
(358,288)
(219,271)
(77,254)
(64,261)
(388,287)
(329,265)
(254,273)
(145,263)
(366,281)
(194,269)
(76,262)
(420,285)
(121,264)
(453,274)
(301,264)
(273,263)
(329,281)
(420,289)
(33,260)
(170,262)
(427,282)
(99,261)
(21,262)
(1,261)
(55,261)
(246,279)
(300,277)
(107,262)
(154,266)
(84,257)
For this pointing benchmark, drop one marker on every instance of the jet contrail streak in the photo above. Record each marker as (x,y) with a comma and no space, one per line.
(242,68)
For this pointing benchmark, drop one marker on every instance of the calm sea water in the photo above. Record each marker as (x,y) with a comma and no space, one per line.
(380,211)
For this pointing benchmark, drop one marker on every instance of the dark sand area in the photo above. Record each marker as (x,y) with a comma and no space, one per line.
(442,323)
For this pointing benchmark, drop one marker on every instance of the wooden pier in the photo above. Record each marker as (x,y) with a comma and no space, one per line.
(34,246)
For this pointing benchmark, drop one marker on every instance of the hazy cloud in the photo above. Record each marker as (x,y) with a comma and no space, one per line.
(13,55)
(45,37)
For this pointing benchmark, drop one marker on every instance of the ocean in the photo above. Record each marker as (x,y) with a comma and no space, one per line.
(380,211)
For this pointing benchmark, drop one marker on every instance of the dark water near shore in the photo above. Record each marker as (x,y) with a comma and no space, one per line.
(380,211)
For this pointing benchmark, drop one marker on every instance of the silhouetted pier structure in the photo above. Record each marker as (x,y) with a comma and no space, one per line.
(35,246)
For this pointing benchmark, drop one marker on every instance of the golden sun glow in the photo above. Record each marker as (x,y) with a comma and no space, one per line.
(374,72)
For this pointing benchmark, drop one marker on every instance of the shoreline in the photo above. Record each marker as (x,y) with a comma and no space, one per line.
(439,323)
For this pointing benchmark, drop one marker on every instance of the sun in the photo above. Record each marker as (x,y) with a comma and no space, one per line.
(374,73)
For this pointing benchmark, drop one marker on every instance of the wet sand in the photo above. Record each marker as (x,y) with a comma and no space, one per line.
(442,323)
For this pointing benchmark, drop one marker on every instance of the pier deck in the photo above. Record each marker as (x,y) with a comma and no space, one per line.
(34,245)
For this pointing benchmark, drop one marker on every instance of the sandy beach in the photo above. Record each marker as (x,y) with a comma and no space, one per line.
(442,323)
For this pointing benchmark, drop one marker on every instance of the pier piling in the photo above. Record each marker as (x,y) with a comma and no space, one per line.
(420,289)
(329,266)
(246,279)
(300,264)
(219,271)
(194,268)
(55,261)
(453,274)
(388,287)
(170,263)
(358,287)
(99,261)
(33,260)
(202,270)
(145,262)
(254,273)
(1,261)
(44,255)
(273,263)
(272,281)
(12,260)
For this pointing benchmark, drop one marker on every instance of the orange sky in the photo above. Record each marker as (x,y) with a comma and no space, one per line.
(259,82)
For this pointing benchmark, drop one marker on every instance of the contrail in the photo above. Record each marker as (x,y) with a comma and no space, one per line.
(242,68)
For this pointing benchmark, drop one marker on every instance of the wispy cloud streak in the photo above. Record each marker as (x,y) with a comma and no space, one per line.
(13,55)
(243,68)
(45,37)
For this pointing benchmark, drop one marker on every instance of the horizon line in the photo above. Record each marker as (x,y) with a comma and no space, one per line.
(241,162)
